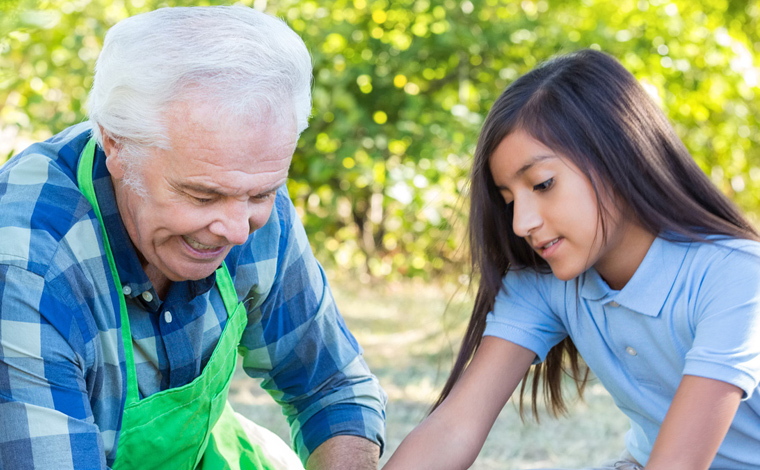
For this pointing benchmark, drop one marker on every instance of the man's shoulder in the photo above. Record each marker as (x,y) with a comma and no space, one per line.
(284,210)
(62,150)
(42,207)
(278,247)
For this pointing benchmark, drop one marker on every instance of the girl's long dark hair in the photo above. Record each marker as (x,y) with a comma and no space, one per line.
(587,107)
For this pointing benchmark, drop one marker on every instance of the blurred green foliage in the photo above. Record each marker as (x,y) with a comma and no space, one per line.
(401,88)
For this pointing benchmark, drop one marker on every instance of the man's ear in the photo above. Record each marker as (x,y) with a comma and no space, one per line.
(112,148)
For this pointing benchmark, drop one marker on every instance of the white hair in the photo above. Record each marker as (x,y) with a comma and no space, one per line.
(247,63)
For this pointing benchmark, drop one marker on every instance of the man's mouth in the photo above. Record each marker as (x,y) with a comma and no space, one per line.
(198,245)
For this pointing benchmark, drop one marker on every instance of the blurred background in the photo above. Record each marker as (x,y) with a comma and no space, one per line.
(401,88)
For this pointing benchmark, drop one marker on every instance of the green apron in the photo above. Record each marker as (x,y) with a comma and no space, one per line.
(189,427)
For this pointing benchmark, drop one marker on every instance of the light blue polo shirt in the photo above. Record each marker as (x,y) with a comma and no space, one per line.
(691,308)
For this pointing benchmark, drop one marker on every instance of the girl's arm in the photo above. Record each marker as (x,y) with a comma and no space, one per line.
(452,436)
(695,425)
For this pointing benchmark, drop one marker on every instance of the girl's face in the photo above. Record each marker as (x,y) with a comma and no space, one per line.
(556,211)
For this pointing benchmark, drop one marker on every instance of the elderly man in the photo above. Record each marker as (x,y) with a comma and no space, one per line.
(141,250)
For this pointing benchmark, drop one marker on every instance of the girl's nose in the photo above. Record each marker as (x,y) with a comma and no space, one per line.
(526,218)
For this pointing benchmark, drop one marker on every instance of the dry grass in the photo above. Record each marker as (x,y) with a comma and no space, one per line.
(409,333)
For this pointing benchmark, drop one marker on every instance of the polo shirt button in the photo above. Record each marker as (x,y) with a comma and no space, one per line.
(126,290)
(147,296)
(614,304)
(631,351)
(168,316)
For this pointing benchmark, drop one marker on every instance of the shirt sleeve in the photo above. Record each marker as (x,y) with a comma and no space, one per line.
(727,321)
(523,314)
(299,343)
(45,417)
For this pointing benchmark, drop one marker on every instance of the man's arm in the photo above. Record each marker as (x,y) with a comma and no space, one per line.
(345,453)
(310,362)
(46,421)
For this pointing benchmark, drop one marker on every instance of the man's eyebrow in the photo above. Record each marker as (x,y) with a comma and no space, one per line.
(530,164)
(198,188)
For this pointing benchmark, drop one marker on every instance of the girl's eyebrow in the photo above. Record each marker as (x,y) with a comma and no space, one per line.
(533,162)
(527,166)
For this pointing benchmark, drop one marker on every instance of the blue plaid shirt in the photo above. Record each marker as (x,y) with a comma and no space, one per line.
(62,369)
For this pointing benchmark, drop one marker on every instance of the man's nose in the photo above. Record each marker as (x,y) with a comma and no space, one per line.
(235,222)
(526,217)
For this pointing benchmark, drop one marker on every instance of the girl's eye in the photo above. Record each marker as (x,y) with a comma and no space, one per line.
(544,186)
(264,197)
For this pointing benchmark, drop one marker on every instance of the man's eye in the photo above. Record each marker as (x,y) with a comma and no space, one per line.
(202,200)
(544,186)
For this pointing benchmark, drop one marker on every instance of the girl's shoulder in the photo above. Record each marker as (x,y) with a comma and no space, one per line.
(729,250)
(529,276)
(721,267)
(535,286)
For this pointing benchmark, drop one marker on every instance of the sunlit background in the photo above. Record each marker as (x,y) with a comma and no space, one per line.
(401,88)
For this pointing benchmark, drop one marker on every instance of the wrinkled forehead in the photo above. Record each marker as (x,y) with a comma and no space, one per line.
(227,158)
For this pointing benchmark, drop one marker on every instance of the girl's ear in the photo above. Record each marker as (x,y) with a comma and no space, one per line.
(112,148)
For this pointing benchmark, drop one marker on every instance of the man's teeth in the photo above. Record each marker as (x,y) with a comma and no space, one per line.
(197,245)
(551,243)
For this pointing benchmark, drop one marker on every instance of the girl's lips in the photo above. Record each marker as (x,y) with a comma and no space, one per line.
(199,250)
(550,248)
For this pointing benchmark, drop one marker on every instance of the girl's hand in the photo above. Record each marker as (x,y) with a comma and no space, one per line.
(452,436)
(696,423)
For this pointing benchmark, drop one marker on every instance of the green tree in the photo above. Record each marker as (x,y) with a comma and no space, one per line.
(401,88)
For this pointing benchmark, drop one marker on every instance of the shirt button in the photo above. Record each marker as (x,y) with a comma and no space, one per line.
(631,351)
(147,296)
(614,304)
(126,290)
(168,316)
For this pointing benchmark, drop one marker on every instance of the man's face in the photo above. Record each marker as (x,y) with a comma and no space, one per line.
(210,191)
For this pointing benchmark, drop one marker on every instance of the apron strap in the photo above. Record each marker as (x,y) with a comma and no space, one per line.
(227,289)
(84,180)
(223,279)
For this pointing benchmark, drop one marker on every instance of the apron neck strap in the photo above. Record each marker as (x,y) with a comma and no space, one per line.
(223,279)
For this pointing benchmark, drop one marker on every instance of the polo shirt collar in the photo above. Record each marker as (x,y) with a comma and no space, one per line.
(650,285)
(134,281)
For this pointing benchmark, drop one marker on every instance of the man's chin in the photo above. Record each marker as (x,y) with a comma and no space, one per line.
(198,274)
(192,271)
(182,266)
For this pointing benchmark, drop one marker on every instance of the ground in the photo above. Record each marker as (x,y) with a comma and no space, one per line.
(409,332)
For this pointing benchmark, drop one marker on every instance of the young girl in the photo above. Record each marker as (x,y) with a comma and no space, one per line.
(596,235)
